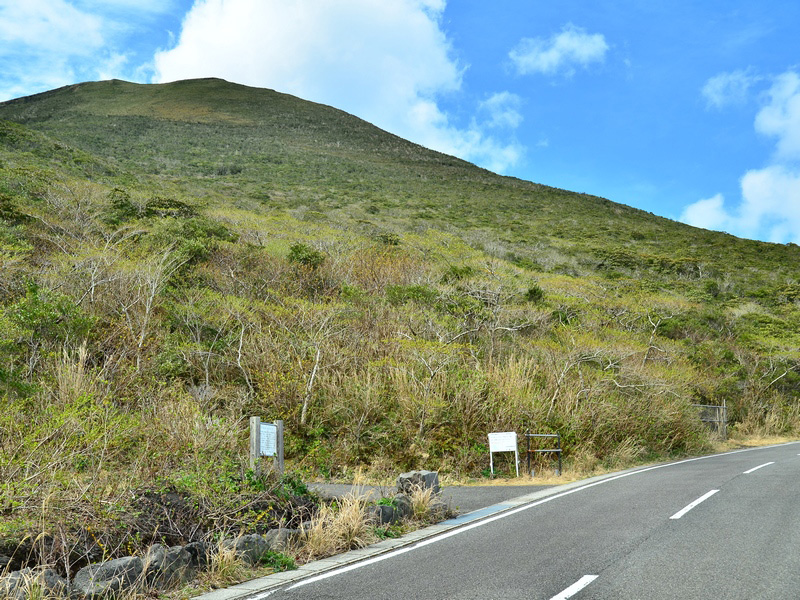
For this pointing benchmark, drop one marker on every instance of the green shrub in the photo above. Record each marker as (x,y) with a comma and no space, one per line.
(534,294)
(523,262)
(122,208)
(9,211)
(41,321)
(789,293)
(388,239)
(159,206)
(564,315)
(694,325)
(223,170)
(353,293)
(305,255)
(192,239)
(45,315)
(712,288)
(278,561)
(400,294)
(292,483)
(456,273)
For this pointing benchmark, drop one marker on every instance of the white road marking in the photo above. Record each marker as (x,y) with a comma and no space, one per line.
(575,587)
(758,467)
(686,509)
(503,515)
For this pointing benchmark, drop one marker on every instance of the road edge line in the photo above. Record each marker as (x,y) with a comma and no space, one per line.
(254,590)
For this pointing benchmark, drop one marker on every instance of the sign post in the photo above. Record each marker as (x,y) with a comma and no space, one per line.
(505,441)
(266,439)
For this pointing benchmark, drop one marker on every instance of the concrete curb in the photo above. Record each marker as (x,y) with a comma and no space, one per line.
(263,586)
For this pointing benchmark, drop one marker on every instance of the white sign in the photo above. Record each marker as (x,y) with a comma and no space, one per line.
(269,439)
(503,441)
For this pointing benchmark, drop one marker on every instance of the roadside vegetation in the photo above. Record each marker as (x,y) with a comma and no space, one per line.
(178,258)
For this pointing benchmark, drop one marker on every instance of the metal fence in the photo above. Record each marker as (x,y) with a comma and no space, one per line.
(715,416)
(547,436)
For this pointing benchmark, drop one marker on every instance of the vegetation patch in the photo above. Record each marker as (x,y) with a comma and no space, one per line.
(179,258)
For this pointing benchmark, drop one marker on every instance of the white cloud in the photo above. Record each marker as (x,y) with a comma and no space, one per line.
(771,203)
(40,43)
(49,43)
(561,53)
(708,214)
(112,66)
(386,62)
(770,196)
(728,88)
(503,110)
(781,116)
(49,26)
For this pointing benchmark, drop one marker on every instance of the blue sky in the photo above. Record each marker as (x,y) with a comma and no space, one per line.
(687,109)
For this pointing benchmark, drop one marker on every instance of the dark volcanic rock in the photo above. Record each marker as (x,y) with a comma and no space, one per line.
(27,583)
(103,579)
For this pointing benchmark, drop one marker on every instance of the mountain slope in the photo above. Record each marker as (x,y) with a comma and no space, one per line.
(247,143)
(176,258)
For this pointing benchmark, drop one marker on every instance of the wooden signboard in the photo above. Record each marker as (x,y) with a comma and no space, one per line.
(266,439)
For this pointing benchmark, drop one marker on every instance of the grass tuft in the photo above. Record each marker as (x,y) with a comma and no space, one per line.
(337,527)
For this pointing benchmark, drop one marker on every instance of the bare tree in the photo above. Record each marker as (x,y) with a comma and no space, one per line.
(144,284)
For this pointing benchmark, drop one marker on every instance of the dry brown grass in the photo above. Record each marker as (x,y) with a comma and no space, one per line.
(224,568)
(421,500)
(338,527)
(31,588)
(72,381)
(737,441)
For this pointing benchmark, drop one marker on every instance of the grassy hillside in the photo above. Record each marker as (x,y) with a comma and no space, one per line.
(212,138)
(178,257)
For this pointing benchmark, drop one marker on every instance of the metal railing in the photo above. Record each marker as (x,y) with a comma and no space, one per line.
(715,416)
(531,451)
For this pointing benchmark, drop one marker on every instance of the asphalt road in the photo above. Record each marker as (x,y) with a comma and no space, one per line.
(721,527)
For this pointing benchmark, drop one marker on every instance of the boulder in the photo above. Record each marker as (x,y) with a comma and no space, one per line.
(438,510)
(407,482)
(104,579)
(19,554)
(403,505)
(166,567)
(177,566)
(383,514)
(33,583)
(281,539)
(249,548)
(198,551)
(154,562)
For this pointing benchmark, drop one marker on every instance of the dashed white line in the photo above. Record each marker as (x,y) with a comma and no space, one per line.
(508,513)
(686,509)
(575,587)
(758,467)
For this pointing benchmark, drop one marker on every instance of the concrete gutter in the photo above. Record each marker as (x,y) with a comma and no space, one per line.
(263,586)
